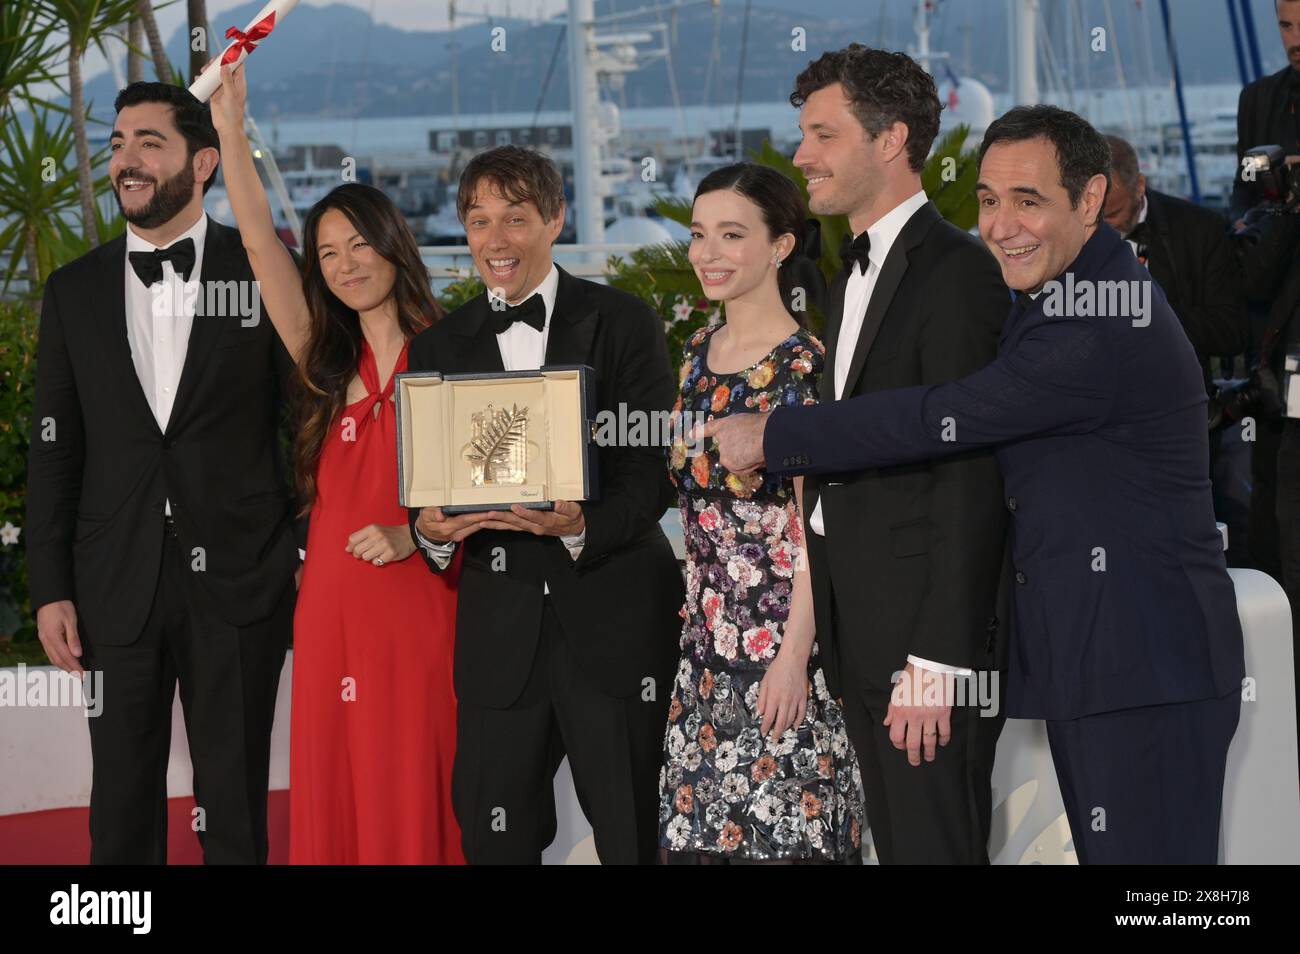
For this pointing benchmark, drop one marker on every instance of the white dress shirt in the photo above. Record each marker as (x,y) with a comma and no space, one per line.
(857,295)
(1142,217)
(156,329)
(523,348)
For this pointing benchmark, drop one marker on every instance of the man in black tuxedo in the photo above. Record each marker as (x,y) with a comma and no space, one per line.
(160,537)
(906,561)
(567,620)
(1186,250)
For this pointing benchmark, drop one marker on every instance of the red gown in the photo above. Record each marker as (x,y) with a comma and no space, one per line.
(373,727)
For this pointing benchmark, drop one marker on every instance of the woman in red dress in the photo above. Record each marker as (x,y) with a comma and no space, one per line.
(373,726)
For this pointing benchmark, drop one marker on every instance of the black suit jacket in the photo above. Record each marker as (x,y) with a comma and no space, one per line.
(95,491)
(1190,256)
(913,554)
(618,602)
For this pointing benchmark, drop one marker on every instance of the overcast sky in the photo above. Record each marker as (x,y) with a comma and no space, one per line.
(407,14)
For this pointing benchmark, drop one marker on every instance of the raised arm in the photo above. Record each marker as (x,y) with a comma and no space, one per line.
(1059,379)
(273,266)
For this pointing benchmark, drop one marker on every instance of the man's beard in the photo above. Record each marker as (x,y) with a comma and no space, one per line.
(169,198)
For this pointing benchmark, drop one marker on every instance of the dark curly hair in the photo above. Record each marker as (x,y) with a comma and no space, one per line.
(1081,151)
(192,118)
(883,88)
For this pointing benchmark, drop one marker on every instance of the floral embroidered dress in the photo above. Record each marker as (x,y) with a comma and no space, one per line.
(725,789)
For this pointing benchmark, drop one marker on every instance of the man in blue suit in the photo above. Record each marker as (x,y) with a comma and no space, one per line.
(1126,636)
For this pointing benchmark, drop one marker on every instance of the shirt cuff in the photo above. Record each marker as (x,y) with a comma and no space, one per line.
(302,554)
(574,543)
(938,667)
(439,553)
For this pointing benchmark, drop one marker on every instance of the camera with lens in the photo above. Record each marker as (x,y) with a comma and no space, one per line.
(1258,396)
(1265,171)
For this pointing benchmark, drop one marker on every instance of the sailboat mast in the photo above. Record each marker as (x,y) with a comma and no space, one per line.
(588,212)
(1022,24)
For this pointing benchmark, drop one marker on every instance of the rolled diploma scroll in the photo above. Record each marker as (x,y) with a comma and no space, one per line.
(245,41)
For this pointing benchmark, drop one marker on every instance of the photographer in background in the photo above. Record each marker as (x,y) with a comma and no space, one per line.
(1268,245)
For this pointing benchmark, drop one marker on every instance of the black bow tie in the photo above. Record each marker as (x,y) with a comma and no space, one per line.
(532,312)
(1141,235)
(855,250)
(149,265)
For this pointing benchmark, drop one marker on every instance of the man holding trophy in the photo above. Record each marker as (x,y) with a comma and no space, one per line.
(567,624)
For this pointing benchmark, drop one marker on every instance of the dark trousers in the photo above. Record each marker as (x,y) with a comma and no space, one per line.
(1262,534)
(937,812)
(228,679)
(506,760)
(1145,785)
(1288,528)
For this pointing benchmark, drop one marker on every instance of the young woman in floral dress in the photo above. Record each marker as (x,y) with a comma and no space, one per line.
(757,762)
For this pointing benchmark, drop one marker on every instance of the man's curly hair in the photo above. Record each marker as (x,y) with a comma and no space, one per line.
(883,88)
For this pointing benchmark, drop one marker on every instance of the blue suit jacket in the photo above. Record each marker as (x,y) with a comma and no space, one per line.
(1122,597)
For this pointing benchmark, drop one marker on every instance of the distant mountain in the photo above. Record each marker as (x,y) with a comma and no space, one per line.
(334,62)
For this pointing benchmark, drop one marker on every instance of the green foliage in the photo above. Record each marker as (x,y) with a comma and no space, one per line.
(88,22)
(74,243)
(949,179)
(18,325)
(38,191)
(460,291)
(24,32)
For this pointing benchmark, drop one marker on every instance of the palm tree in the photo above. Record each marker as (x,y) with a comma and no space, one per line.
(32,205)
(162,66)
(86,22)
(134,45)
(24,31)
(197,11)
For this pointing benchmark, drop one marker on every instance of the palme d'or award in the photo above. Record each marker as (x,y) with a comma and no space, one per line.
(498,446)
(470,442)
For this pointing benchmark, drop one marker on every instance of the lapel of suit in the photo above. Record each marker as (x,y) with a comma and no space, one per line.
(1158,241)
(834,319)
(573,323)
(887,282)
(110,309)
(477,343)
(206,330)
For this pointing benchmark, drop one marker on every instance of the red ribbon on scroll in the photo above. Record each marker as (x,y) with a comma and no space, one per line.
(247,42)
